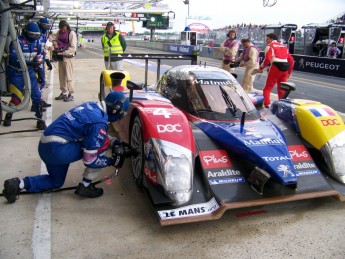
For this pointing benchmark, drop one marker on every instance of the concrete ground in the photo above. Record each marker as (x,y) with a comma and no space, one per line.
(121,223)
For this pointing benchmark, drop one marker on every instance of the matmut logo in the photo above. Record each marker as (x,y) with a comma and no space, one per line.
(215,159)
(299,153)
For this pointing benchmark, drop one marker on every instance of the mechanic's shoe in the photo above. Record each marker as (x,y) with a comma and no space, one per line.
(8,120)
(68,98)
(61,97)
(89,192)
(11,189)
(33,108)
(46,105)
(41,125)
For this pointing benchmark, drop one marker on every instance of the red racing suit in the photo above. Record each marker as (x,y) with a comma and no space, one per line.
(276,54)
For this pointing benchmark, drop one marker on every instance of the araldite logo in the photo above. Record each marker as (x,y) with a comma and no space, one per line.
(215,159)
(299,153)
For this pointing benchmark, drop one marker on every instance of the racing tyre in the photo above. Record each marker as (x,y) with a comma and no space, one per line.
(136,141)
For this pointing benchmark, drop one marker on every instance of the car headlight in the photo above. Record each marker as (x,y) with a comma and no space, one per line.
(334,152)
(175,172)
(178,179)
(338,154)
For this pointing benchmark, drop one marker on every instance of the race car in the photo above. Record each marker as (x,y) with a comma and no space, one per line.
(205,148)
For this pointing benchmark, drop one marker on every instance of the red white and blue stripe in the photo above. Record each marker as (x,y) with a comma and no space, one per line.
(322,112)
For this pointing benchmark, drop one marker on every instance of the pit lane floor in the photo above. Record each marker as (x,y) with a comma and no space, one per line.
(121,223)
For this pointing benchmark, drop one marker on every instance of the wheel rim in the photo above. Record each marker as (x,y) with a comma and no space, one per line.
(137,142)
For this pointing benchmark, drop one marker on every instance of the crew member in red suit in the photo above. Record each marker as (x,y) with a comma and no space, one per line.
(281,67)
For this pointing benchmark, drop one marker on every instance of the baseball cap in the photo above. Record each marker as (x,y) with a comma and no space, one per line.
(110,24)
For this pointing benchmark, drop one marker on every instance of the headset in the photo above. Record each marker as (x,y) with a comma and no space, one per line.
(116,108)
(228,34)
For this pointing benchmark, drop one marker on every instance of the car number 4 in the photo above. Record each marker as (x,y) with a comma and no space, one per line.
(162,111)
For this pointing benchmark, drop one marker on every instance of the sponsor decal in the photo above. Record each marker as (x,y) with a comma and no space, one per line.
(169,128)
(304,165)
(190,211)
(80,108)
(215,159)
(286,170)
(330,122)
(184,49)
(214,82)
(322,65)
(226,180)
(173,48)
(150,175)
(69,116)
(275,158)
(322,112)
(306,173)
(222,173)
(264,142)
(299,153)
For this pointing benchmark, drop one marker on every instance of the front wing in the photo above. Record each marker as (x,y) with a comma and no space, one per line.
(220,183)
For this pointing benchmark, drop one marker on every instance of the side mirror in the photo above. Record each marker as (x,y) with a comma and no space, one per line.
(133,86)
(288,87)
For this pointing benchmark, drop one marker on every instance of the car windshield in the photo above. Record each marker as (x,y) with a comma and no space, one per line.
(220,100)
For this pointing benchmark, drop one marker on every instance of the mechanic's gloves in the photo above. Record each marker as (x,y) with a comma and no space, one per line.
(49,65)
(118,155)
(121,151)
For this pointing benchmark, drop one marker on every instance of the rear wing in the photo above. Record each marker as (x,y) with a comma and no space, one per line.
(158,57)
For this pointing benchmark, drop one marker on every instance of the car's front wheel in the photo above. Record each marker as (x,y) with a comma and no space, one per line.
(136,141)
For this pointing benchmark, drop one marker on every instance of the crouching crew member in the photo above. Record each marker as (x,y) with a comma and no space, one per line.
(80,133)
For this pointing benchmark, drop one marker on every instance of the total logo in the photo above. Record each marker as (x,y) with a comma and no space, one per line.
(215,159)
(330,122)
(299,153)
(169,128)
(276,158)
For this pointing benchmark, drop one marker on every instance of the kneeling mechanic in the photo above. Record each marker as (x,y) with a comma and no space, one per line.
(80,133)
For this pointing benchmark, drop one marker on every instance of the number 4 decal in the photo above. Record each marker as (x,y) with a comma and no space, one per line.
(162,111)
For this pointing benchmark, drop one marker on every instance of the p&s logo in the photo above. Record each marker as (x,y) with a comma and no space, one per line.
(299,153)
(215,159)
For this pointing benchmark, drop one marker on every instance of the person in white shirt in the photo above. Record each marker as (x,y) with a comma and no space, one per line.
(249,59)
(48,49)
